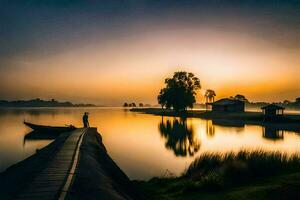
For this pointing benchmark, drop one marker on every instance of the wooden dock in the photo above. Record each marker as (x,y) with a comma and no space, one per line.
(75,166)
(55,180)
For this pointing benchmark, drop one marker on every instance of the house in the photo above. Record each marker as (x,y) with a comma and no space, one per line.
(228,105)
(272,112)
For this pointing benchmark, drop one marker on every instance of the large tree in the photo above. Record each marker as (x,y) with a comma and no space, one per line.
(180,91)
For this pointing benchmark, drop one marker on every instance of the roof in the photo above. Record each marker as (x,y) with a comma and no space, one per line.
(272,107)
(226,101)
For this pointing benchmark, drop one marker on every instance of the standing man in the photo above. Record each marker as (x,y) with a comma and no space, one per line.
(85,119)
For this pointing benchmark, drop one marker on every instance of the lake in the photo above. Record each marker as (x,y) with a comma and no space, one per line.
(142,145)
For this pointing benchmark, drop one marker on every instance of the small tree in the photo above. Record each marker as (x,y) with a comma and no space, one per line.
(209,97)
(133,104)
(180,91)
(298,100)
(125,104)
(141,105)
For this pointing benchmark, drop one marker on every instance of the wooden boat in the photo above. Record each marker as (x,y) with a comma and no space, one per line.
(49,129)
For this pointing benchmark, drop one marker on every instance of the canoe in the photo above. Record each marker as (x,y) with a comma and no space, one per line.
(49,129)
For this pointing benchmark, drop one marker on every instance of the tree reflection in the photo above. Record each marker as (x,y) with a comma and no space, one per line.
(179,137)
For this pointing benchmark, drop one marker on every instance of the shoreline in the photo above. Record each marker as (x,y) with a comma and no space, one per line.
(291,122)
(97,176)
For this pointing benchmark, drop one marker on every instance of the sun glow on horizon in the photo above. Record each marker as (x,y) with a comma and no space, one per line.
(128,60)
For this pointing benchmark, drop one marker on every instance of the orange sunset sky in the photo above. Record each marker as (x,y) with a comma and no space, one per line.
(106,53)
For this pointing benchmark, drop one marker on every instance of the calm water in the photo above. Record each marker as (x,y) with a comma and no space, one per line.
(142,145)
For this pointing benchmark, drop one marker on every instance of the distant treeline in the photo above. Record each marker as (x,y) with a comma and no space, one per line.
(41,103)
(285,104)
(135,105)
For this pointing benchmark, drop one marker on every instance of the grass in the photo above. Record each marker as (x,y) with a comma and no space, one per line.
(242,175)
(244,166)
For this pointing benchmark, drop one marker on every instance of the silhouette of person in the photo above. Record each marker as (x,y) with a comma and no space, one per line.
(85,119)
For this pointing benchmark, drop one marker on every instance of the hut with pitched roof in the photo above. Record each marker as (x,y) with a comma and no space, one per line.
(228,105)
(273,112)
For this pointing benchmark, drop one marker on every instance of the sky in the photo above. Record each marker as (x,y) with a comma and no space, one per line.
(110,52)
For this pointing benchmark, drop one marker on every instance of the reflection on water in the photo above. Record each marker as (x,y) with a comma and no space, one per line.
(272,133)
(134,140)
(179,137)
(210,128)
(38,137)
(238,126)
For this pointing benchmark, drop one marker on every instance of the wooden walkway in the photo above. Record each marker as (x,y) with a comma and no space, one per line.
(54,181)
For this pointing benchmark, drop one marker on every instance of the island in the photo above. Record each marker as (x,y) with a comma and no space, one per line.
(41,103)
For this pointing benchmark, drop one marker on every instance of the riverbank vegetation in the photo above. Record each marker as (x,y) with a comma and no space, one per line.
(241,175)
(181,89)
